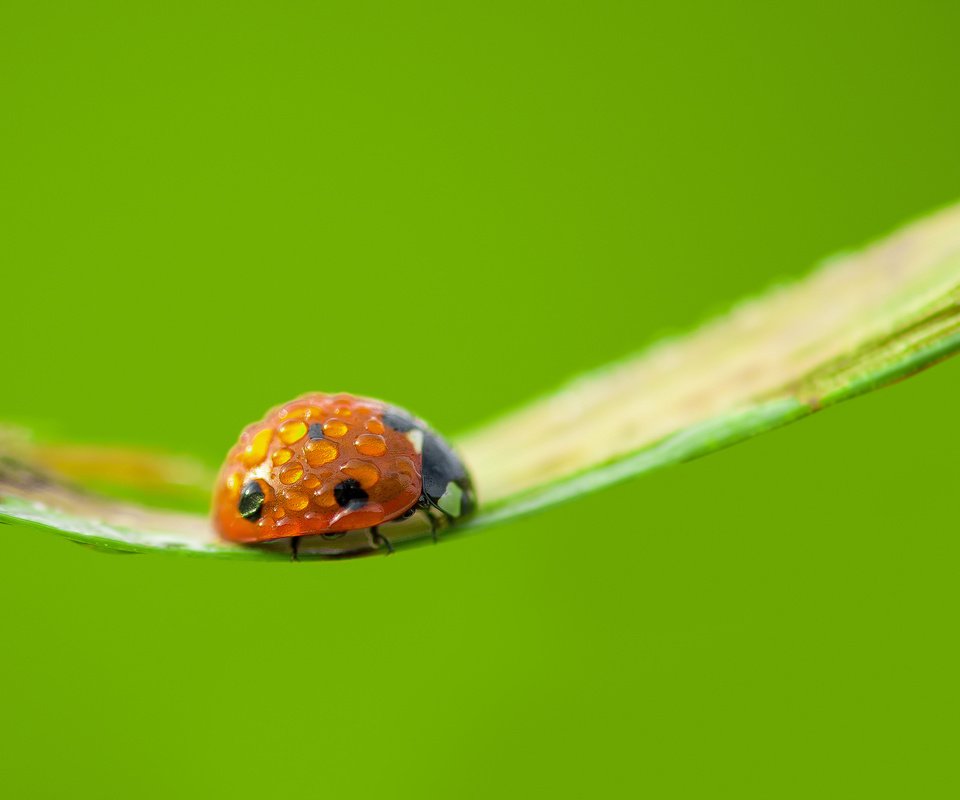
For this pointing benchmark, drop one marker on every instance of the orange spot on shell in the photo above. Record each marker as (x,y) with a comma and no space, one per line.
(370,444)
(335,428)
(364,472)
(256,451)
(292,432)
(320,452)
(291,474)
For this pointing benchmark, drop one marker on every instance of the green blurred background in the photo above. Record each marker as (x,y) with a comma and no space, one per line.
(208,208)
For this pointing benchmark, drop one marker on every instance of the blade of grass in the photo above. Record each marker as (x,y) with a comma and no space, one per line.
(860,322)
(142,475)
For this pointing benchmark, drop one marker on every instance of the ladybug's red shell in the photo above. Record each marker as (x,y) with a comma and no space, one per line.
(319,464)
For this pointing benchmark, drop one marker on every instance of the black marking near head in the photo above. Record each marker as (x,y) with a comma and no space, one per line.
(350,494)
(440,466)
(468,501)
(398,419)
(251,501)
(315,431)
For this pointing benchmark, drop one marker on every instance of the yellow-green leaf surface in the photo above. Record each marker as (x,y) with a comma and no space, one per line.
(860,321)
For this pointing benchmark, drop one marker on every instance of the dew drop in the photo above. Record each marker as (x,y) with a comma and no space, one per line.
(335,428)
(320,452)
(234,482)
(256,451)
(295,501)
(292,432)
(364,472)
(370,444)
(325,498)
(291,474)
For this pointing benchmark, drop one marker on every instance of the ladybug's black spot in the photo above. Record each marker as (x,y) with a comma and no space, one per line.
(251,501)
(399,420)
(350,494)
(315,431)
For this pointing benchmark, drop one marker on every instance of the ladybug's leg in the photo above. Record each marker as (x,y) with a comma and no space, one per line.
(425,504)
(294,548)
(433,525)
(379,538)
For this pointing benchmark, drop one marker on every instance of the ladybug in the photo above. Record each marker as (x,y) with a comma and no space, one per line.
(330,464)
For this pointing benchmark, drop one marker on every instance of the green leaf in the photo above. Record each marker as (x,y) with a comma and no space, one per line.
(859,322)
